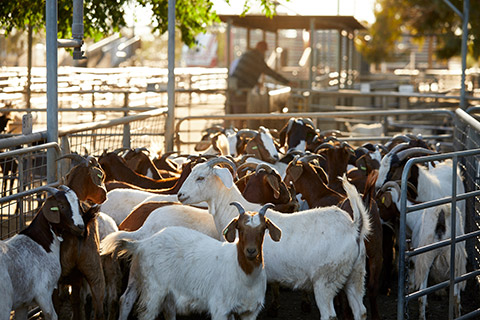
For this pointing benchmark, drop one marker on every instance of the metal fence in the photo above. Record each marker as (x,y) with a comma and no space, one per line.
(24,160)
(146,129)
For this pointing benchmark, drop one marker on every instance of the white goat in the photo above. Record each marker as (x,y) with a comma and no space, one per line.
(429,226)
(179,268)
(120,202)
(431,183)
(322,249)
(30,260)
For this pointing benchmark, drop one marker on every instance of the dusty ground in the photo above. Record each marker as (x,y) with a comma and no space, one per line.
(437,309)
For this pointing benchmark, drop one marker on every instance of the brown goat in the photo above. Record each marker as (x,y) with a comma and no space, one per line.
(80,257)
(116,169)
(266,186)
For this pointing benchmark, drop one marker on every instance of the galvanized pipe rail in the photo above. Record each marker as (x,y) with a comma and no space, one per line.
(404,297)
(319,115)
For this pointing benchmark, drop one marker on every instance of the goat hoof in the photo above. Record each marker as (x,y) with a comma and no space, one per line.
(306,307)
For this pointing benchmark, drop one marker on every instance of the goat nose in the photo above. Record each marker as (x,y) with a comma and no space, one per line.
(251,251)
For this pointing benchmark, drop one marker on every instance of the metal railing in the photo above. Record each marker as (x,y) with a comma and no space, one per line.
(324,120)
(24,194)
(471,233)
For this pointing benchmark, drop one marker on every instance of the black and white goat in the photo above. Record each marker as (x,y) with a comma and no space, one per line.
(30,260)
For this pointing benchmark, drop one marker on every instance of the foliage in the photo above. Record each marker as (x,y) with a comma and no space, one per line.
(421,18)
(102,17)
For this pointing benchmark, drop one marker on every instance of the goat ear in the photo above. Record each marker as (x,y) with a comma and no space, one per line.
(273,183)
(386,199)
(230,231)
(295,171)
(51,211)
(274,231)
(361,164)
(224,175)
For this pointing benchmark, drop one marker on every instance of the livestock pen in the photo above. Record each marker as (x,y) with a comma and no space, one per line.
(459,134)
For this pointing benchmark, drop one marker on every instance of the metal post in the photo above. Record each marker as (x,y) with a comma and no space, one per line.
(340,57)
(52,85)
(312,51)
(170,122)
(126,127)
(466,13)
(464,17)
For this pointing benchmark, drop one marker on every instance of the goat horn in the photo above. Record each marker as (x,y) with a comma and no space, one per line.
(264,166)
(308,121)
(137,150)
(249,133)
(389,184)
(239,207)
(72,156)
(309,157)
(330,132)
(246,165)
(220,160)
(323,146)
(290,124)
(117,151)
(264,209)
(53,191)
(399,147)
(415,152)
(91,161)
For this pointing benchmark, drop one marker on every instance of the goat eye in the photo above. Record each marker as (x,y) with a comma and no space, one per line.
(200,178)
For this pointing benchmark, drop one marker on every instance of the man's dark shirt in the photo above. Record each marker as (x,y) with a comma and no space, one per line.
(249,68)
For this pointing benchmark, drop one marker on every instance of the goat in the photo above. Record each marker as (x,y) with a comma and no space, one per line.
(428,226)
(265,185)
(116,169)
(164,216)
(424,184)
(297,134)
(234,280)
(120,202)
(324,251)
(310,182)
(30,260)
(139,161)
(262,146)
(80,257)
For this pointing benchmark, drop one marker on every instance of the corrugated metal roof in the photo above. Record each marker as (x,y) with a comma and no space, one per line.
(293,22)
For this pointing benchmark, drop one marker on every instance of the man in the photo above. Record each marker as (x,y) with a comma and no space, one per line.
(245,74)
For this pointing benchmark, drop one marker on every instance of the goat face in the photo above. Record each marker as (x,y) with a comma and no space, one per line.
(63,210)
(262,146)
(204,179)
(297,134)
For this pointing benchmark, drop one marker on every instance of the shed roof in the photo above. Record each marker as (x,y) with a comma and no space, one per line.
(293,22)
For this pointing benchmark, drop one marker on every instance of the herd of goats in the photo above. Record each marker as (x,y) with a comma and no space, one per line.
(205,233)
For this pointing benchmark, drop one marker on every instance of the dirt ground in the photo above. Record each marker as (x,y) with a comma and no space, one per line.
(437,309)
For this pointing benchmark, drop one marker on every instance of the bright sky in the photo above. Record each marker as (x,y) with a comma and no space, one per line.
(362,10)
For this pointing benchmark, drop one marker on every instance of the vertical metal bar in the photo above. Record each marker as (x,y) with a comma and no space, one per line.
(277,60)
(466,12)
(52,85)
(29,67)
(170,122)
(21,188)
(340,41)
(312,52)
(126,127)
(453,236)
(402,243)
(347,62)
(228,107)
